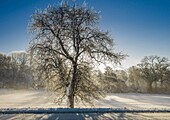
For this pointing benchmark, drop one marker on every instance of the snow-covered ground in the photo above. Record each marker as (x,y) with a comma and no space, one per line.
(41,99)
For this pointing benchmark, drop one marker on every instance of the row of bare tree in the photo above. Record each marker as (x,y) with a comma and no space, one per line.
(151,75)
(15,71)
(153,72)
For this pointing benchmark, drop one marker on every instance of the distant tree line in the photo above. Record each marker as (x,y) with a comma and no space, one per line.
(151,75)
(15,71)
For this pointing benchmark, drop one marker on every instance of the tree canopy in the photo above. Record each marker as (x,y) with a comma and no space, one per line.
(67,43)
(153,69)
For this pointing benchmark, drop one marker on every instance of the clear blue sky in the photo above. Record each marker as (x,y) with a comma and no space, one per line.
(139,27)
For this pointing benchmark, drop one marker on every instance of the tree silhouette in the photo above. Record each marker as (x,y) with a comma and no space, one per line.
(67,43)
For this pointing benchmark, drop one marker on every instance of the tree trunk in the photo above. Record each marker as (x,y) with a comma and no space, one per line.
(161,85)
(156,87)
(162,88)
(70,97)
(71,88)
(149,87)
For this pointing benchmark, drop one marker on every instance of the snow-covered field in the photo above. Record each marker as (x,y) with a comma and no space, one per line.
(41,99)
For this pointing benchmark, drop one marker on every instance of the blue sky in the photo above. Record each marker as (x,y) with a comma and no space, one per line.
(139,27)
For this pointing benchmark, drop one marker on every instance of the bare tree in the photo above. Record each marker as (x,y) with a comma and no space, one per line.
(15,71)
(20,58)
(68,41)
(5,65)
(21,72)
(135,81)
(154,68)
(121,74)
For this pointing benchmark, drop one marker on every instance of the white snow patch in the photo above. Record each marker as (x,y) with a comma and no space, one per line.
(41,100)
